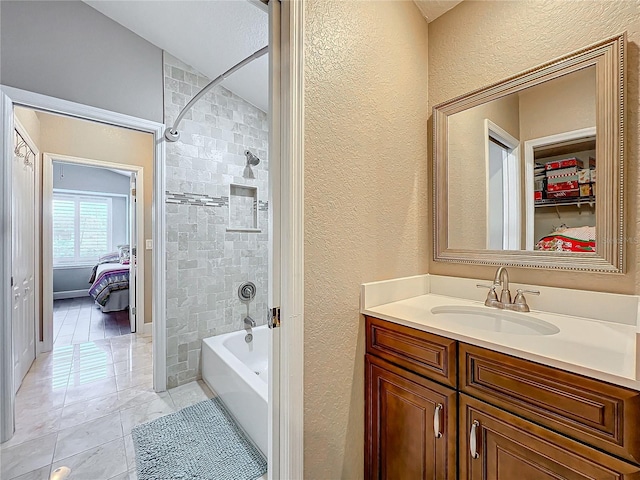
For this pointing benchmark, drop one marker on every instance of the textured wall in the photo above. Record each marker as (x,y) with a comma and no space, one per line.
(561,105)
(80,138)
(478,43)
(205,262)
(68,50)
(468,168)
(365,202)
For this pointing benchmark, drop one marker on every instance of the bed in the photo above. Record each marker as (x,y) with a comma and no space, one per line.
(110,284)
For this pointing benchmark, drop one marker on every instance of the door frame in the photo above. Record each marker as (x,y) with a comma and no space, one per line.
(10,96)
(512,210)
(289,61)
(47,237)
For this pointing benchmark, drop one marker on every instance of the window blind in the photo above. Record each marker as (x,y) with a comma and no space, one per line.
(81,228)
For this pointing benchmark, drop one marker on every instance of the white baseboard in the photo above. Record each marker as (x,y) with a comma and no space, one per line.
(70,294)
(147,329)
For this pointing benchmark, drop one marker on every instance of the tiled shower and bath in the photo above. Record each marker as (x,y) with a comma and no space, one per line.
(217,232)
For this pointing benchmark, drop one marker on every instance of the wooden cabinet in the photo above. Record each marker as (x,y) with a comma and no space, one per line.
(528,421)
(410,427)
(429,355)
(596,413)
(497,445)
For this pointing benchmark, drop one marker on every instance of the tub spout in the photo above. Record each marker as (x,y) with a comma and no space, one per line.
(249,322)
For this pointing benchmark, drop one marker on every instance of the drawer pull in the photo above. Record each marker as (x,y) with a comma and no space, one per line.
(436,421)
(473,446)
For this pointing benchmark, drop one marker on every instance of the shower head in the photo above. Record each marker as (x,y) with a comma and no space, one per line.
(251,158)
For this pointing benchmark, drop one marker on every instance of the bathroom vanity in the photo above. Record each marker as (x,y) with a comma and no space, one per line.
(461,384)
(449,400)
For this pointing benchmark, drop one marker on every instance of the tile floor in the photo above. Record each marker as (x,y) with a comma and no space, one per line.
(78,404)
(79,320)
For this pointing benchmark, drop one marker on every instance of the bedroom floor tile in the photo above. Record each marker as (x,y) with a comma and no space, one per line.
(70,411)
(79,320)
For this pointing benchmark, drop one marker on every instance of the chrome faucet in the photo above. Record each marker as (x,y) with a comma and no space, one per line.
(501,278)
(249,322)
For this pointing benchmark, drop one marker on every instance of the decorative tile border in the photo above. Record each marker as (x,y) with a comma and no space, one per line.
(202,200)
(196,199)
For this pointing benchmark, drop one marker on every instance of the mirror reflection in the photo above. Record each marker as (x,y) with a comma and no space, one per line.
(522,169)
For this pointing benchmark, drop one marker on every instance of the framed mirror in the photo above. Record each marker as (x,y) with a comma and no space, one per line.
(529,171)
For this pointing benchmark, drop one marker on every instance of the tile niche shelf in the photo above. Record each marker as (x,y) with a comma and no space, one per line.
(243,209)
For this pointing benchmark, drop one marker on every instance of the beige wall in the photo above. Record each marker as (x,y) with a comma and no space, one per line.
(80,138)
(468,168)
(365,202)
(562,105)
(481,42)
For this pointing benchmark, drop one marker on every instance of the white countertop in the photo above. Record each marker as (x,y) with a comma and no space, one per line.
(596,348)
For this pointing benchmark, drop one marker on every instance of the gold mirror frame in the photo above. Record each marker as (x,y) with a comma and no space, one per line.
(608,58)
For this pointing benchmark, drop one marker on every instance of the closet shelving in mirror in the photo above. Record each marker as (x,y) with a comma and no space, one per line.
(579,202)
(579,155)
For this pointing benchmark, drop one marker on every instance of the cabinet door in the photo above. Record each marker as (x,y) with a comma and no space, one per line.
(507,447)
(410,425)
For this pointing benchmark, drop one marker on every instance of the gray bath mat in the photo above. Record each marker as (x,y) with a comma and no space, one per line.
(200,442)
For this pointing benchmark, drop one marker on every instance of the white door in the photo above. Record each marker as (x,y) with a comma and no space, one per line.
(133,248)
(23,265)
(496,195)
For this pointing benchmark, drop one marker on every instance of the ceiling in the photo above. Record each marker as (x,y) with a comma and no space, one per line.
(432,9)
(210,36)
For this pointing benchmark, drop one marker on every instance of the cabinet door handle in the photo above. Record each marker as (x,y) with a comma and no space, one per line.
(436,421)
(473,446)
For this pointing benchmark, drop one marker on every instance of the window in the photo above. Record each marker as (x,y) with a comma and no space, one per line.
(81,228)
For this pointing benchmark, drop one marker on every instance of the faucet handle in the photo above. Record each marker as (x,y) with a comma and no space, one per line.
(520,303)
(532,292)
(492,297)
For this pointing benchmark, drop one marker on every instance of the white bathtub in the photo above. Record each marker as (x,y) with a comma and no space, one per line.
(238,373)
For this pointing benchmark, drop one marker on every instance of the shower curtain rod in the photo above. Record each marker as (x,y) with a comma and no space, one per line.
(172,134)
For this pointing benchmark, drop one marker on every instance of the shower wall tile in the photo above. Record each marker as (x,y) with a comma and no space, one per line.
(206,263)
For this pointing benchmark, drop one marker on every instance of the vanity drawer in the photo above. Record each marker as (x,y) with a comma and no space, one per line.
(597,413)
(426,354)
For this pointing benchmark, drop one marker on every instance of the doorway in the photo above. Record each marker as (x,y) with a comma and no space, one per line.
(94,362)
(504,189)
(93,224)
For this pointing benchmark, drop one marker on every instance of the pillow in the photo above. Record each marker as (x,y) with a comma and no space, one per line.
(125,255)
(113,257)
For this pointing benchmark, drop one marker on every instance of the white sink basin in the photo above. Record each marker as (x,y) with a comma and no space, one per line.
(494,320)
